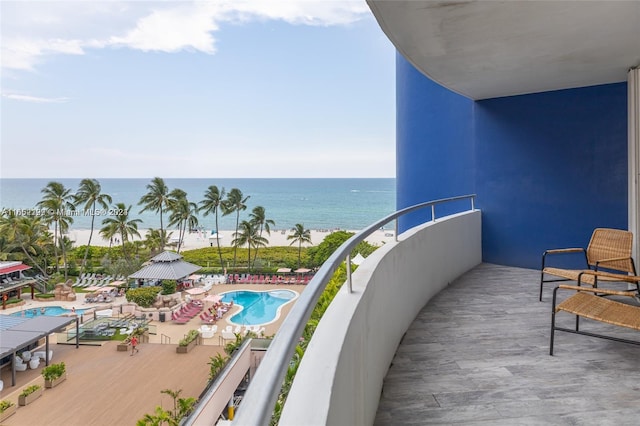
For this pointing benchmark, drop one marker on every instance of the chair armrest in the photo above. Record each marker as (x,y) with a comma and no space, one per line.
(564,250)
(613,259)
(621,277)
(598,290)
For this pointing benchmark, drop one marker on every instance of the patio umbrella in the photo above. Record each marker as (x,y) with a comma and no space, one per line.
(213,298)
(196,291)
(302,270)
(283,270)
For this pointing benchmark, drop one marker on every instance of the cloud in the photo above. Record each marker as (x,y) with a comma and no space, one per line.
(187,26)
(34,99)
(32,31)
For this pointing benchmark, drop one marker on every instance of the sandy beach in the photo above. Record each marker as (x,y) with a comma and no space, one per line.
(197,240)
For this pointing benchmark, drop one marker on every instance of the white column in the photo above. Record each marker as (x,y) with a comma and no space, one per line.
(634,160)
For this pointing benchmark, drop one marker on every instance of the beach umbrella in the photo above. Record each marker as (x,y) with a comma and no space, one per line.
(302,271)
(283,270)
(196,291)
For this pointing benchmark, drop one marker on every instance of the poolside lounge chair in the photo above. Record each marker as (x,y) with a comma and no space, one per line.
(34,363)
(608,250)
(42,355)
(20,364)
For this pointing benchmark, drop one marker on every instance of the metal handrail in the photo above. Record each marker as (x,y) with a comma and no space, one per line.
(262,393)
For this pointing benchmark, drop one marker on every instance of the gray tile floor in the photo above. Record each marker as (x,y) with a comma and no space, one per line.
(478,353)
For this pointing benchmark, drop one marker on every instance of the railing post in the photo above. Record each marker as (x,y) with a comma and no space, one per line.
(396,230)
(473,206)
(349,273)
(433,212)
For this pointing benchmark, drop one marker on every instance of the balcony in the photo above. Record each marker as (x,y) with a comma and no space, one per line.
(429,334)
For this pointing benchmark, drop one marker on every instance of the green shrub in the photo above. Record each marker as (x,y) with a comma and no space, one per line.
(216,364)
(54,371)
(190,337)
(271,258)
(4,404)
(143,297)
(30,389)
(46,295)
(168,286)
(231,347)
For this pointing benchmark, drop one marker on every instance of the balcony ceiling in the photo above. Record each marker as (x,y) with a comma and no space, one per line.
(488,49)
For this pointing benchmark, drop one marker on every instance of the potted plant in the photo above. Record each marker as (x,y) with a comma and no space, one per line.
(29,394)
(124,345)
(188,342)
(54,374)
(7,409)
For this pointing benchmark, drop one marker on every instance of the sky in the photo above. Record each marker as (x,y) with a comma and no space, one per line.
(190,89)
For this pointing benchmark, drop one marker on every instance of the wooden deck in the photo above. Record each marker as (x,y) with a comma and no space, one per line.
(107,387)
(478,353)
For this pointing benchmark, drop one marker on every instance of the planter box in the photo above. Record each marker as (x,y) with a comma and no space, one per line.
(123,347)
(49,384)
(8,413)
(26,400)
(185,349)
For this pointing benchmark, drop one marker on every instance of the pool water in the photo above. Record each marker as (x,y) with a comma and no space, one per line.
(52,311)
(259,307)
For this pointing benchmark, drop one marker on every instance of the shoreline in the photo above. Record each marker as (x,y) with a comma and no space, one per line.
(196,240)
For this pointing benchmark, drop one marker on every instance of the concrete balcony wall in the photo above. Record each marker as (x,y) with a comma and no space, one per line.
(340,378)
(217,397)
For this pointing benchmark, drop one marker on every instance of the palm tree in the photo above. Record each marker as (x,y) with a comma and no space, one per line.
(121,224)
(235,202)
(28,234)
(156,199)
(183,213)
(300,235)
(154,239)
(108,232)
(57,204)
(212,203)
(258,217)
(248,235)
(90,194)
(181,406)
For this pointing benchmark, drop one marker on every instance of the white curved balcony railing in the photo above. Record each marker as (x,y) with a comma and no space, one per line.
(340,377)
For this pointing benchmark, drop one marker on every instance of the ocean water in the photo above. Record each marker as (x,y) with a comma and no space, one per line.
(316,203)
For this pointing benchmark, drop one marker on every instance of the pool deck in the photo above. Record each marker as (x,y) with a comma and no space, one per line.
(107,387)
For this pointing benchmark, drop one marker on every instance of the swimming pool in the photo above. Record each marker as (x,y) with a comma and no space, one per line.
(52,311)
(258,307)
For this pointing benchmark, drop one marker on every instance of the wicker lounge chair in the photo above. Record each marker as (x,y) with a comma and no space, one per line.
(609,249)
(586,303)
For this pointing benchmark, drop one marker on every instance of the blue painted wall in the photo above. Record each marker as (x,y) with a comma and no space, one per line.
(548,168)
(434,142)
